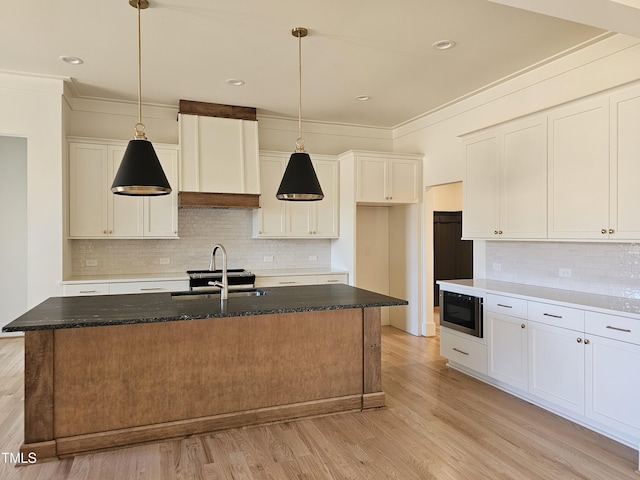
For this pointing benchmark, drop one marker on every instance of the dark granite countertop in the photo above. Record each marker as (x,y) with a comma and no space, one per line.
(104,310)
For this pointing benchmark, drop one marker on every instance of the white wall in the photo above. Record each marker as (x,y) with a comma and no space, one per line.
(612,62)
(13,218)
(33,108)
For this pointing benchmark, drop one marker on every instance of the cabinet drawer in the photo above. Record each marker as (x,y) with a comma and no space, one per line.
(286,281)
(463,351)
(612,326)
(514,307)
(550,314)
(333,278)
(149,287)
(85,289)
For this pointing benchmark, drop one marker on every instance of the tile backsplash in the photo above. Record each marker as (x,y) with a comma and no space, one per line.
(602,268)
(200,229)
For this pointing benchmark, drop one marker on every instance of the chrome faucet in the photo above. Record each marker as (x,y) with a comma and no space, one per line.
(224,285)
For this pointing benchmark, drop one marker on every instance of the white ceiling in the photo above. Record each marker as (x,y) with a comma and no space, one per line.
(377,48)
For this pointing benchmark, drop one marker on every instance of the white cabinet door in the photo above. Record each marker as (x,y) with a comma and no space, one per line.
(88,175)
(523,199)
(161,212)
(481,210)
(625,167)
(507,341)
(556,365)
(371,179)
(269,219)
(126,213)
(579,171)
(613,383)
(402,181)
(326,212)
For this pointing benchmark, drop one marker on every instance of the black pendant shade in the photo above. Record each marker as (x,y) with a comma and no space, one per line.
(140,172)
(299,182)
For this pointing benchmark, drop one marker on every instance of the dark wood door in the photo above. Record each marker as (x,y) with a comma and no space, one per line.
(452,256)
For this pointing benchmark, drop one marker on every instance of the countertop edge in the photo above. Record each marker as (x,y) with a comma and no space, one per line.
(621,306)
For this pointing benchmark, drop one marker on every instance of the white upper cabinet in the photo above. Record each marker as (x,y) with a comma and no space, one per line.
(95,212)
(505,187)
(624,221)
(277,218)
(218,155)
(579,170)
(387,178)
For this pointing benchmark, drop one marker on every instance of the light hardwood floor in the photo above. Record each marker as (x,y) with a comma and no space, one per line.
(438,424)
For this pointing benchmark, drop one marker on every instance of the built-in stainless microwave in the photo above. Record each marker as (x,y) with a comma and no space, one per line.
(461,312)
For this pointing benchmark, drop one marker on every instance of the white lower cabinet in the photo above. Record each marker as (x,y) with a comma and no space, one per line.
(292,280)
(556,365)
(115,288)
(463,350)
(612,381)
(507,339)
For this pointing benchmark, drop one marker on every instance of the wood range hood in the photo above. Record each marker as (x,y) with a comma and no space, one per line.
(201,126)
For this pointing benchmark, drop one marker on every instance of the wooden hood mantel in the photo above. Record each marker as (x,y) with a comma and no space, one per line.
(218,200)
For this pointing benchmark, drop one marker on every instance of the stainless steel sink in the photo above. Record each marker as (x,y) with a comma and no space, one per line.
(254,292)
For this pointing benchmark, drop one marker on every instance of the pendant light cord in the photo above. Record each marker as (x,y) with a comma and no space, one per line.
(300,140)
(139,127)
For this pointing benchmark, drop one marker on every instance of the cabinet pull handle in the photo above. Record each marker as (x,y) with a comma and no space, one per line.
(551,315)
(87,291)
(333,281)
(504,306)
(499,232)
(603,231)
(586,341)
(611,230)
(150,289)
(522,325)
(625,330)
(460,351)
(579,340)
(286,283)
(495,232)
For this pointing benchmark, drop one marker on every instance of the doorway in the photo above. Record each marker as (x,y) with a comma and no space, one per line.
(452,256)
(13,218)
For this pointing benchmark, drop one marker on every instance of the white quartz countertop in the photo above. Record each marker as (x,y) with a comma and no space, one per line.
(628,307)
(150,277)
(124,277)
(279,272)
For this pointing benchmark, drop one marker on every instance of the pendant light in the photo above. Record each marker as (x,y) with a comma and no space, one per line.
(140,172)
(299,182)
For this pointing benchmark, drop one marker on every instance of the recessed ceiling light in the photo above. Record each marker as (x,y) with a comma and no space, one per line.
(71,60)
(363,98)
(236,82)
(444,44)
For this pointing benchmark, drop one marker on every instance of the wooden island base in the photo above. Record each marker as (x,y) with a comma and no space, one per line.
(96,388)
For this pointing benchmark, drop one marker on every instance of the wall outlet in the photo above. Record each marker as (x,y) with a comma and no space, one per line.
(268,258)
(164,261)
(565,272)
(497,267)
(313,258)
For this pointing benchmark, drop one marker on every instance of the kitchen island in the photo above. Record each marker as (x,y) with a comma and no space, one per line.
(110,371)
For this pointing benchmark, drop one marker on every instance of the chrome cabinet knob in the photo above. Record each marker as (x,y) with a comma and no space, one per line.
(523,326)
(586,341)
(611,230)
(603,231)
(579,340)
